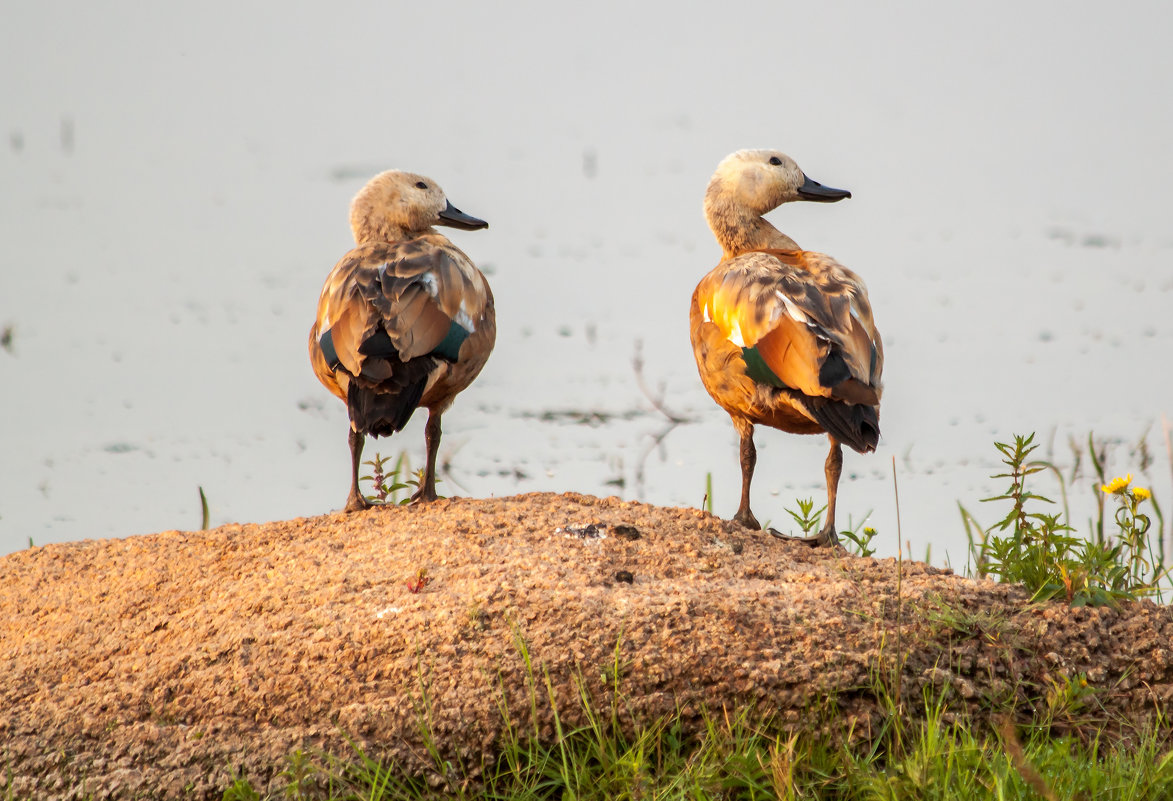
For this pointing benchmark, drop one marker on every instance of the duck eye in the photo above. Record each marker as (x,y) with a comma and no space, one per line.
(421,184)
(777,162)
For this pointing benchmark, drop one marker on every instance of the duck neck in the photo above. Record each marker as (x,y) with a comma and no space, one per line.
(367,232)
(740,231)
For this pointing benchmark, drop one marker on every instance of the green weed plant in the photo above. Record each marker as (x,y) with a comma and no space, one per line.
(1039,550)
(858,539)
(395,487)
(808,518)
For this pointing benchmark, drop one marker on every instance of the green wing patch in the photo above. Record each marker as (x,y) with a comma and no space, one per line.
(449,347)
(757,369)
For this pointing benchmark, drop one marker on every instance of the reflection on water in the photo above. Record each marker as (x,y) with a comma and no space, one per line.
(174,186)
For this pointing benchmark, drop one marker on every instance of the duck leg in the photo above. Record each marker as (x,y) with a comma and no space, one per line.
(833,468)
(427,489)
(355,502)
(749,458)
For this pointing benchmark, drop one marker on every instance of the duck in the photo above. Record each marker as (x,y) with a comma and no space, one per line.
(783,337)
(405,319)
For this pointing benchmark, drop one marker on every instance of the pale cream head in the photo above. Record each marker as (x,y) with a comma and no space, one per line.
(756,180)
(747,185)
(397,205)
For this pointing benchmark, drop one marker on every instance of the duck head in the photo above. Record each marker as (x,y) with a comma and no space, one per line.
(396,205)
(749,183)
(761,180)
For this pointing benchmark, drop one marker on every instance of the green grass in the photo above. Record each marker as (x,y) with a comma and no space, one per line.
(936,757)
(203,509)
(1063,745)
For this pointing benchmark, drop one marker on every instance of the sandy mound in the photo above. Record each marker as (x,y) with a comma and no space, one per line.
(163,663)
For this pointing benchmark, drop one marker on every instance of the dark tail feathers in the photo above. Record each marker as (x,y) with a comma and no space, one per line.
(853,424)
(383,398)
(383,413)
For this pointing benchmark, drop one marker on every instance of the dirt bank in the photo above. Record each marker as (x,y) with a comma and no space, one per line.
(164,663)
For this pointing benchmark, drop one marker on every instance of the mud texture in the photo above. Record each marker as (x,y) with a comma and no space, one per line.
(162,666)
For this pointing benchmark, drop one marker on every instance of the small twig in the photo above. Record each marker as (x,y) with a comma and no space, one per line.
(673,419)
(657,401)
(445,466)
(657,441)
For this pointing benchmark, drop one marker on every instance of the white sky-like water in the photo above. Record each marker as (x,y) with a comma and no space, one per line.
(174,186)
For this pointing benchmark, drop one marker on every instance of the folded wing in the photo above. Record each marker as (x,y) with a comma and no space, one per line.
(803,322)
(390,317)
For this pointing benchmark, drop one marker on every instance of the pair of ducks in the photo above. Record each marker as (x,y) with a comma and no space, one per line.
(783,337)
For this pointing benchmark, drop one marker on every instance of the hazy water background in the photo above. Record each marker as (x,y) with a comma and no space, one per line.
(174,185)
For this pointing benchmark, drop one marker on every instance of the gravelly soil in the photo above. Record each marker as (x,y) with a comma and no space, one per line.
(161,665)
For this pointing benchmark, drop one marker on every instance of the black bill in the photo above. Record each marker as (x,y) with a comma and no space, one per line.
(813,190)
(455,218)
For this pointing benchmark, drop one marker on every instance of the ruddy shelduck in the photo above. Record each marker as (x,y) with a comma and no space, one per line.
(405,319)
(783,337)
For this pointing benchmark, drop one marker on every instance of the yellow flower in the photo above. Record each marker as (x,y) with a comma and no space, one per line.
(1117,485)
(1141,494)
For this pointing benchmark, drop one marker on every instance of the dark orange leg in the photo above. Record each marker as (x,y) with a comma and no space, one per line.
(355,502)
(749,458)
(427,490)
(833,468)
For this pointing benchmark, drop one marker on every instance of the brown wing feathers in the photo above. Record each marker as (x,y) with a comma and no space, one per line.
(387,331)
(823,344)
(412,320)
(843,406)
(793,353)
(346,334)
(836,340)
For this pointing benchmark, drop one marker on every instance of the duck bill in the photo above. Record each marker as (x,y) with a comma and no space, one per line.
(815,191)
(455,218)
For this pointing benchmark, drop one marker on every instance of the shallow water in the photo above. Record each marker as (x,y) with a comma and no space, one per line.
(174,187)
